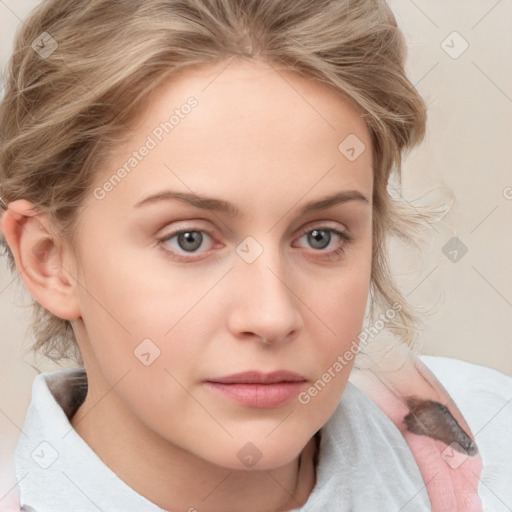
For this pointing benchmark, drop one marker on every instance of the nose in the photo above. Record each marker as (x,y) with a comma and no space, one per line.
(265,306)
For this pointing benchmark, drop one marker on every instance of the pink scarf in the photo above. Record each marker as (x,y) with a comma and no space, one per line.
(432,425)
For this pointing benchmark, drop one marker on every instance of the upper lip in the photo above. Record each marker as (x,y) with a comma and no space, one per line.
(257,377)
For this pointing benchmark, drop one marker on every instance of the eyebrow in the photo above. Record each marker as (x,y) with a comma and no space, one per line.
(230,209)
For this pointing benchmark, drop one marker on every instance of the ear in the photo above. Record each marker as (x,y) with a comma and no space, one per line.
(39,254)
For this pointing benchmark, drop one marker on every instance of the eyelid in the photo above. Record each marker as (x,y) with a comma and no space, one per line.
(185,225)
(323,224)
(195,228)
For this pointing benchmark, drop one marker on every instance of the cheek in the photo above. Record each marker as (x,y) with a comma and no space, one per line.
(149,327)
(342,308)
(341,302)
(127,301)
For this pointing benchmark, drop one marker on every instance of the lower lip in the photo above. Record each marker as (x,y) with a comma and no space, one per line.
(261,396)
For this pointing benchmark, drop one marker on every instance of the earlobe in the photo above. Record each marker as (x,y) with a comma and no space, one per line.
(39,256)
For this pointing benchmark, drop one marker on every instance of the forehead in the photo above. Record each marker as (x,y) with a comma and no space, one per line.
(259,95)
(255,127)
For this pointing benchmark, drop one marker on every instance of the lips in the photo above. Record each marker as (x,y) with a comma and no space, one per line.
(257,389)
(256,377)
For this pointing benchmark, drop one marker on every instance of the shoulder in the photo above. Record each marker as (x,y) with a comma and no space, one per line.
(459,374)
(484,397)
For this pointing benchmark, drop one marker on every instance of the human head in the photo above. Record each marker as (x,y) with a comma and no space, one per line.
(63,114)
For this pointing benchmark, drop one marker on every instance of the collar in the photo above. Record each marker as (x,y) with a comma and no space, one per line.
(54,465)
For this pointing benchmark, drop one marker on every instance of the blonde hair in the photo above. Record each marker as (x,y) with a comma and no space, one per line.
(62,113)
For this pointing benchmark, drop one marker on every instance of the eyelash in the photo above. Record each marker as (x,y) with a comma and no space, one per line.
(346,238)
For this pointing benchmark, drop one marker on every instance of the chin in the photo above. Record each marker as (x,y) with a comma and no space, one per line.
(260,454)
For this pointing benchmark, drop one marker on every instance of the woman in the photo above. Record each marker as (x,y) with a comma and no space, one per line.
(168,173)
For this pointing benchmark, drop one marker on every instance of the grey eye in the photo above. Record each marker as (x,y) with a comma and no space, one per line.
(319,238)
(190,240)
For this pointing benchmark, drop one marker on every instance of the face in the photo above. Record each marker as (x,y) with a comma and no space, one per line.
(238,275)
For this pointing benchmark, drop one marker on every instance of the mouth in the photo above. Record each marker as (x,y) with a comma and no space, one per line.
(257,389)
(256,377)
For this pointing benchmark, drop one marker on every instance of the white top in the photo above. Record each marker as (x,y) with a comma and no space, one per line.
(364,462)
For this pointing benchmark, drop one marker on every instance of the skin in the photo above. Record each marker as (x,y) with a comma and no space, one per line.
(266,140)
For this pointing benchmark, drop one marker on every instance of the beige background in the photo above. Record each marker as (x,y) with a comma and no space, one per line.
(467,150)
